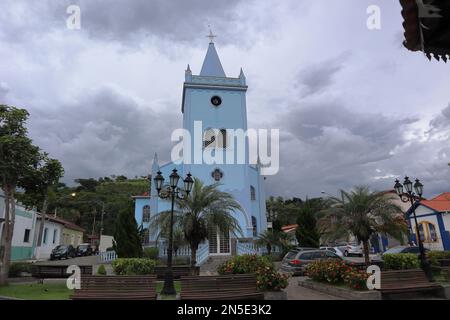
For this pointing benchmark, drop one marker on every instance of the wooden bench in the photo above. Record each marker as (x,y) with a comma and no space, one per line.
(178,271)
(402,281)
(116,288)
(56,271)
(227,287)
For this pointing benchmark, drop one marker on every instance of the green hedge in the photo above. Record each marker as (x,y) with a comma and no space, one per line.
(101,270)
(151,253)
(17,267)
(133,266)
(435,256)
(400,261)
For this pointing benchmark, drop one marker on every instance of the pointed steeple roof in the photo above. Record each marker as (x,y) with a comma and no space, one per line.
(211,65)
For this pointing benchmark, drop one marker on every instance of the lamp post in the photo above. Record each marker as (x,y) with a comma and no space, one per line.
(172,192)
(413,197)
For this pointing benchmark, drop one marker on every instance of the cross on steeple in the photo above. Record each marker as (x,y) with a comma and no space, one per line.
(211,36)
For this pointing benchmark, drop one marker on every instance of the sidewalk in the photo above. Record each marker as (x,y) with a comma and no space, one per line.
(296,292)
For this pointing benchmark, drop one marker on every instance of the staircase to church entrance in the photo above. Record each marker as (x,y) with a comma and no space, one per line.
(209,268)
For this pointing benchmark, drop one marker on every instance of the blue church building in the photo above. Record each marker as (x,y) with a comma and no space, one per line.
(215,104)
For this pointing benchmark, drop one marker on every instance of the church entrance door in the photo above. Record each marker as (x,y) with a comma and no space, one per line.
(219,242)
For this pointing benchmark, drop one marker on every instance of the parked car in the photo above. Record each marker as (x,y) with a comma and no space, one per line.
(63,251)
(405,249)
(333,249)
(84,249)
(350,249)
(296,262)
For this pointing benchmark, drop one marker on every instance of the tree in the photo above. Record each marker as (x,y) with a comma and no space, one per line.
(39,184)
(18,159)
(272,238)
(206,208)
(307,233)
(362,213)
(127,239)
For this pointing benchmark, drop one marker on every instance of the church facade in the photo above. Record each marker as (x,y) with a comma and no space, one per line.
(216,105)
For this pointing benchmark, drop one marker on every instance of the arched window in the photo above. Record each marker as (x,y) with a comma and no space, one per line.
(213,138)
(252,193)
(222,141)
(427,231)
(209,138)
(146,213)
(255,226)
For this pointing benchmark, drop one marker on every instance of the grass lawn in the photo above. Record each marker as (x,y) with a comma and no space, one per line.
(36,291)
(57,291)
(159,286)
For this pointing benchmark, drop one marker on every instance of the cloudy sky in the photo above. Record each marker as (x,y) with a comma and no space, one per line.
(352,105)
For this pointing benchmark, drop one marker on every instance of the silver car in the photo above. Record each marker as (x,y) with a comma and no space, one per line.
(350,249)
(295,262)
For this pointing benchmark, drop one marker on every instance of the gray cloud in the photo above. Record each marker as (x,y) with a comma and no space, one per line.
(128,22)
(319,77)
(3,92)
(104,132)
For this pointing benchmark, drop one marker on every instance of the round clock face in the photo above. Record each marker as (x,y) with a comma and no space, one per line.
(216,101)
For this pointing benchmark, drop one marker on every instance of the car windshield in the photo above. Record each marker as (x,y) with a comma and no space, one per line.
(61,248)
(395,250)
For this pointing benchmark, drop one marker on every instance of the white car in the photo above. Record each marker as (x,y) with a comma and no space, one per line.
(350,249)
(333,249)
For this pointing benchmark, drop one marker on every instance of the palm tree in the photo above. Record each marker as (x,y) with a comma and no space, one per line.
(272,238)
(362,213)
(206,208)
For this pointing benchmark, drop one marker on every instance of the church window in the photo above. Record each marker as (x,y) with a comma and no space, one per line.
(222,143)
(146,214)
(209,138)
(255,227)
(216,101)
(217,175)
(252,193)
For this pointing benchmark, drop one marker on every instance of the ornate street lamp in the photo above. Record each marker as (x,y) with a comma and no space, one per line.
(413,197)
(172,192)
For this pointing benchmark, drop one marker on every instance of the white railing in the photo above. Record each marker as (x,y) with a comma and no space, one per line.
(252,248)
(184,251)
(202,253)
(107,256)
(246,248)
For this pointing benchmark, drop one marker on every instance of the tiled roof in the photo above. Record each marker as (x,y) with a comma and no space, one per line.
(441,203)
(65,223)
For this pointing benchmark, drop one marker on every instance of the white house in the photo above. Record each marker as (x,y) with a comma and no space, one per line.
(433,218)
(52,236)
(24,231)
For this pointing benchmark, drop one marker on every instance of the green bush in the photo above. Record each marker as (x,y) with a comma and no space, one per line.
(400,261)
(133,266)
(435,256)
(244,264)
(17,267)
(267,277)
(101,271)
(151,253)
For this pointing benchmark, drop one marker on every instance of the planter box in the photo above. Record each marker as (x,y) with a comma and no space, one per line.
(340,292)
(275,295)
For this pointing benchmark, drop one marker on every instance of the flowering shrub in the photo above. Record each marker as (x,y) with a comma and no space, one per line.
(337,272)
(268,278)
